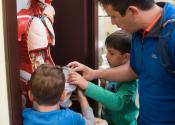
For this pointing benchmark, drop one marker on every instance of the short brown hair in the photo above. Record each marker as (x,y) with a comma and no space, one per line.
(122,5)
(47,84)
(119,40)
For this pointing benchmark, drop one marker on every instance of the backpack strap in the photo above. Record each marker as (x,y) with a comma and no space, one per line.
(163,46)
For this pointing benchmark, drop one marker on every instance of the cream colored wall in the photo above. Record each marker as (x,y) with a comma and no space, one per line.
(4,113)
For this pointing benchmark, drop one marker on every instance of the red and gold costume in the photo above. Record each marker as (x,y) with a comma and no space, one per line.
(35,36)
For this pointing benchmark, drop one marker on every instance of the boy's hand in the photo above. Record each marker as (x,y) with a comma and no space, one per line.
(80,95)
(82,100)
(76,79)
(88,73)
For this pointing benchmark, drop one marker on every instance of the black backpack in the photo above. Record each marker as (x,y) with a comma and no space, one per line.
(163,46)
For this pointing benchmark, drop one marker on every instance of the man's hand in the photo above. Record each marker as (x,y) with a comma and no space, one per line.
(88,73)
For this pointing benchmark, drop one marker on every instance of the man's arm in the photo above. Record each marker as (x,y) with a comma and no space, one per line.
(119,74)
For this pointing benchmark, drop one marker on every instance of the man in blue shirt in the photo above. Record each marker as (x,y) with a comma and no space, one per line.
(147,21)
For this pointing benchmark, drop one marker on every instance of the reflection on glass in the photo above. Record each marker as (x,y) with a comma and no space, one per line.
(105,28)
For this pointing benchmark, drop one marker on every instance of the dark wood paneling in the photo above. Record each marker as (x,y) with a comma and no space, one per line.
(71,31)
(92,60)
(12,61)
(76,24)
(76,36)
(92,33)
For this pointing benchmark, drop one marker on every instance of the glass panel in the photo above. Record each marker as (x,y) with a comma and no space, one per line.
(105,28)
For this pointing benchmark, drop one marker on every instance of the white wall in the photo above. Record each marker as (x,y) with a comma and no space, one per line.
(22,4)
(4,113)
(164,0)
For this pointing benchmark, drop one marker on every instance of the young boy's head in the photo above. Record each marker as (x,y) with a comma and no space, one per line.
(118,48)
(47,85)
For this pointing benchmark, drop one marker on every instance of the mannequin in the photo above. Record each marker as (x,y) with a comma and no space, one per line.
(35,36)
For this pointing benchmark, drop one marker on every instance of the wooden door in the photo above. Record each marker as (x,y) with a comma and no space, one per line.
(12,61)
(76,32)
(75,25)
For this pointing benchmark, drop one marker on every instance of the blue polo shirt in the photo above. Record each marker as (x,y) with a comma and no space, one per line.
(156,86)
